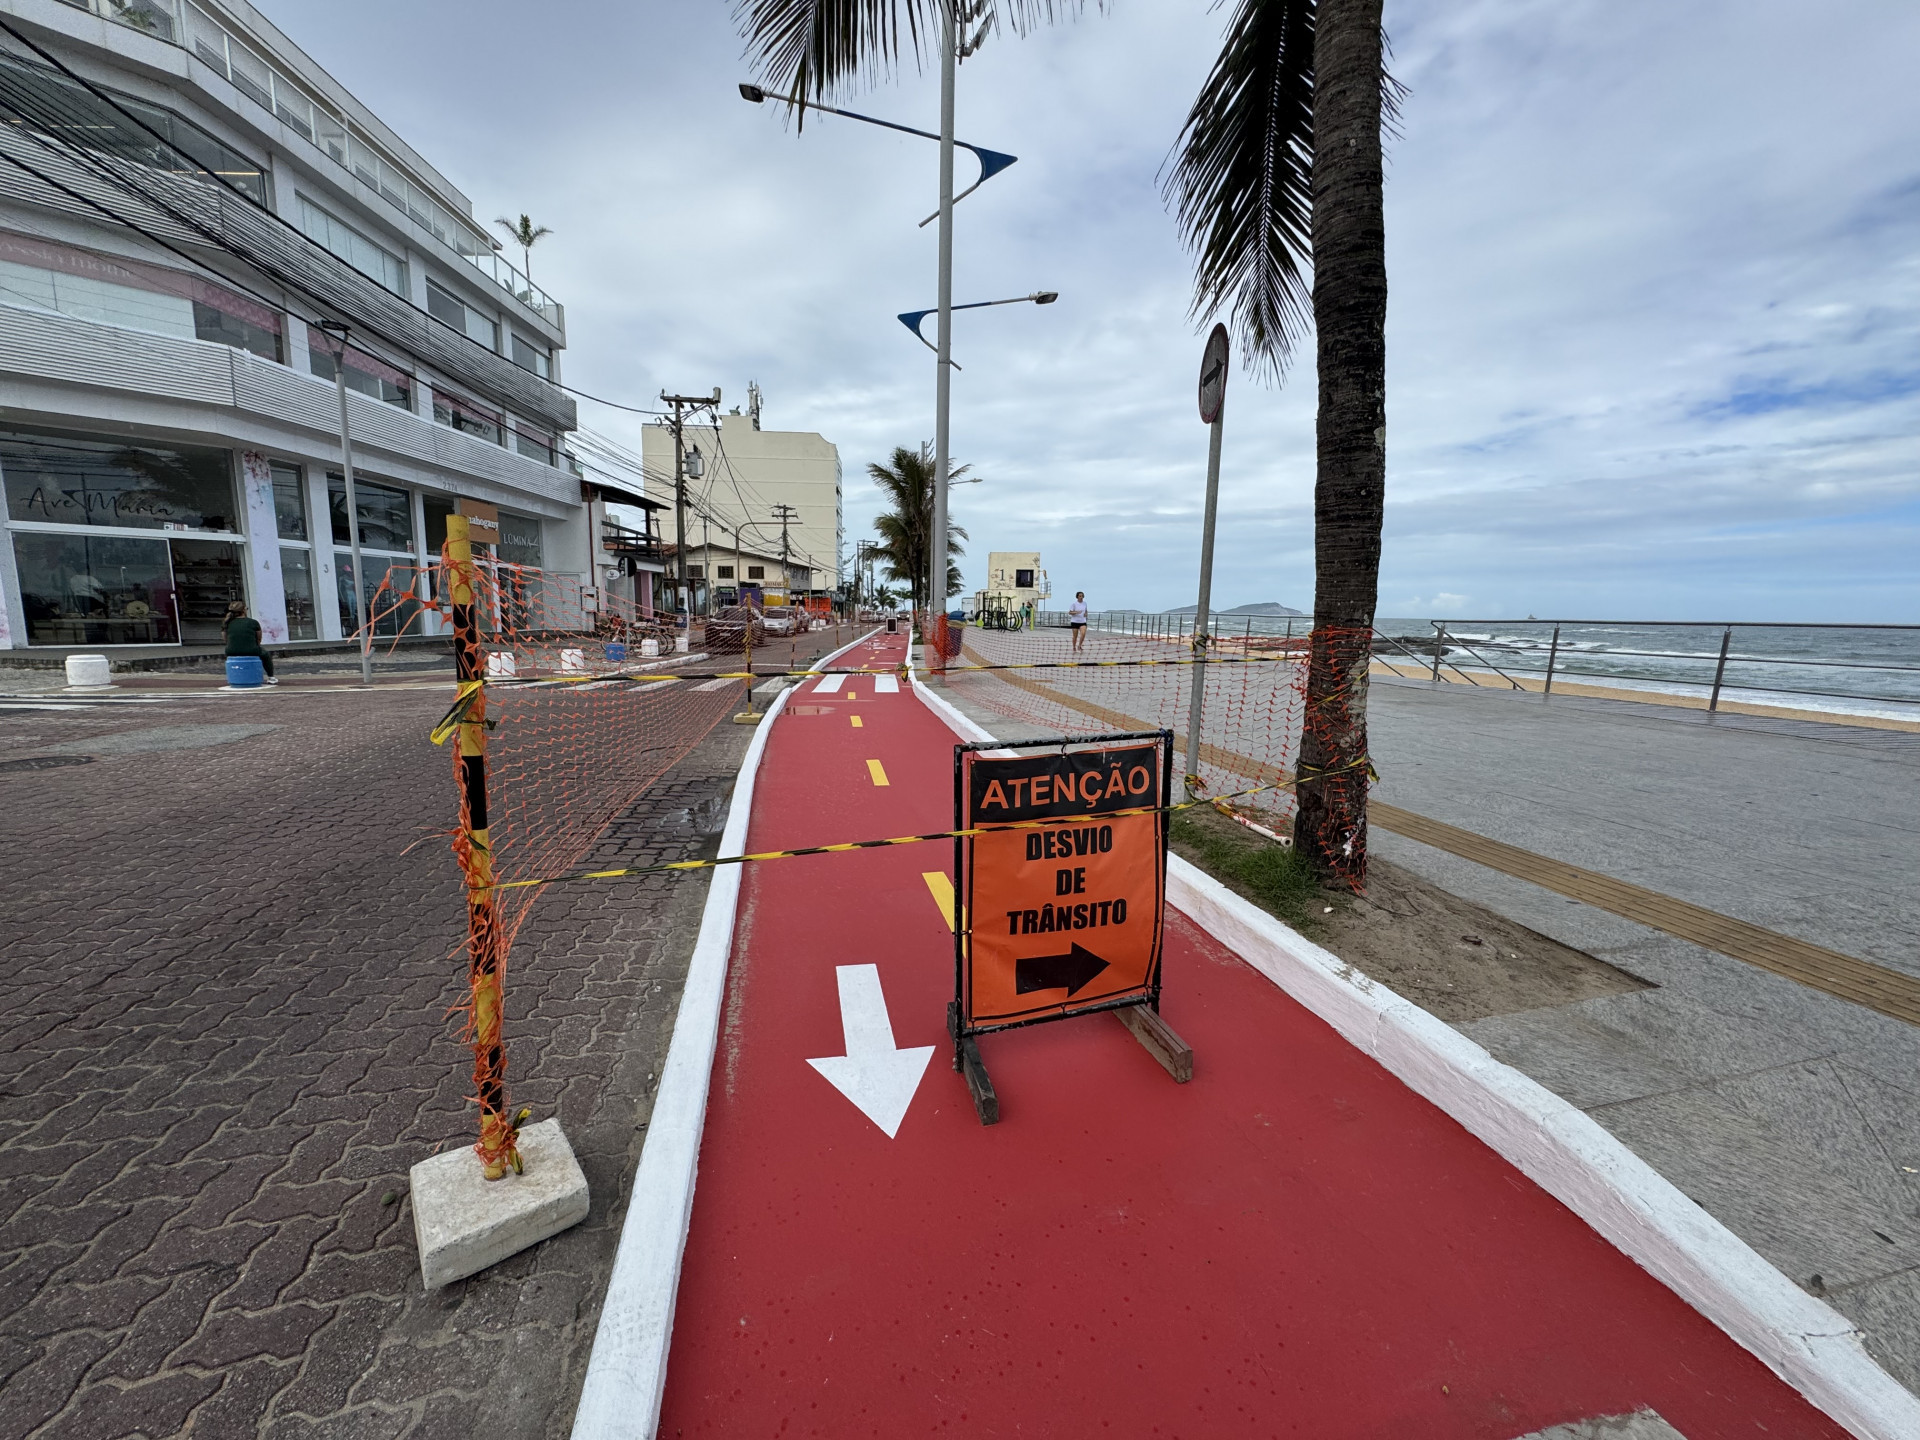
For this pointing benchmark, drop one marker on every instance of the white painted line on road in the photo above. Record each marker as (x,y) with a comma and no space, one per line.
(875,1074)
(886,684)
(828,686)
(716,684)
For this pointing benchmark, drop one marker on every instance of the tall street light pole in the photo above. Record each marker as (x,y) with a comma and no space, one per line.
(362,621)
(943,384)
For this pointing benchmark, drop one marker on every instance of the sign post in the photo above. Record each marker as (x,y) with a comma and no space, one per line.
(1061,912)
(1213,399)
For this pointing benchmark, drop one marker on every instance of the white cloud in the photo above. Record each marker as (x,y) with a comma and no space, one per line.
(1652,336)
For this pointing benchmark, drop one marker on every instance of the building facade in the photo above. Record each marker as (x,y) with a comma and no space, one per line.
(748,476)
(186,199)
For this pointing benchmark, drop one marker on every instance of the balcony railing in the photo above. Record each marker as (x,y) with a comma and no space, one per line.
(182,23)
(636,544)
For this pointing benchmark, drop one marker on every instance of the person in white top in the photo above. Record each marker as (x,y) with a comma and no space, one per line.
(1077,619)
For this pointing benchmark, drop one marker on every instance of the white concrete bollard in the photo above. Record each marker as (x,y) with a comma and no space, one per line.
(500,665)
(573,662)
(649,646)
(680,643)
(89,672)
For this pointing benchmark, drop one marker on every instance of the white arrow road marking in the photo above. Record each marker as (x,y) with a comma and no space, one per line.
(873,1074)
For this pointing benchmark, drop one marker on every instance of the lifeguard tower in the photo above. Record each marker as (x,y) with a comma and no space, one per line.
(1015,587)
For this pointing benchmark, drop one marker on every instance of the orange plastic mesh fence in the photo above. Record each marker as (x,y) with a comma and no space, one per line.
(578,718)
(1250,727)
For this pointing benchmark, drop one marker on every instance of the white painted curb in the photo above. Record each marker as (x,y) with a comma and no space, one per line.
(627,1371)
(1807,1343)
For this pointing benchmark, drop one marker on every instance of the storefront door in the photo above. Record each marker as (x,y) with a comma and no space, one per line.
(207,576)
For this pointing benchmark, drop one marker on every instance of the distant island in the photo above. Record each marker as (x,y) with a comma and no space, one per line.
(1263,607)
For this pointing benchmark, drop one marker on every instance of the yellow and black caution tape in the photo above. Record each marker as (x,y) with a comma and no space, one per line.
(681,865)
(449,722)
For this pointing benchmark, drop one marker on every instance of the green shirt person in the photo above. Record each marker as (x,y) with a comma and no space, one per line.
(243,637)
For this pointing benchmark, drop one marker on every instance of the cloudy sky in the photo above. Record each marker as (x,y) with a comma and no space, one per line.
(1654,331)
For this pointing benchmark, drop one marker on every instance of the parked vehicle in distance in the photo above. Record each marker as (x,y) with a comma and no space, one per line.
(728,629)
(778,620)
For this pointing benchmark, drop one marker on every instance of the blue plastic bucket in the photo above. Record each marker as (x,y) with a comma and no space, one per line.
(616,653)
(245,672)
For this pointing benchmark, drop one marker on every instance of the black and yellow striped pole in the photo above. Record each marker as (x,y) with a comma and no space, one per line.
(748,716)
(496,1148)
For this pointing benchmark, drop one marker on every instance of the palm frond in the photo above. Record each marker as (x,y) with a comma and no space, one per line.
(809,49)
(1242,185)
(806,50)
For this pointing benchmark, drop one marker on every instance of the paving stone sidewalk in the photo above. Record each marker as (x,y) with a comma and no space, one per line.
(228,1038)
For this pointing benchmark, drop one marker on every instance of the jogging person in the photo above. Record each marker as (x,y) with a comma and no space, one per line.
(243,637)
(1077,620)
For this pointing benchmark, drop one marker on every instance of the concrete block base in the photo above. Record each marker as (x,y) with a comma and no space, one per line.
(463,1222)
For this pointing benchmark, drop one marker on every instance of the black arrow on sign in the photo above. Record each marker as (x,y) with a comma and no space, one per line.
(1069,972)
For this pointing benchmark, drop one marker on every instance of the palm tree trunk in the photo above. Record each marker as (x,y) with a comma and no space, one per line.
(1350,318)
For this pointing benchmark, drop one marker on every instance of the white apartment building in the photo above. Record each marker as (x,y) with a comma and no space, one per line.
(181,191)
(747,474)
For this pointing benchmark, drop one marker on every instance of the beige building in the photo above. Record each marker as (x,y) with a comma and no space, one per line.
(1014,579)
(747,475)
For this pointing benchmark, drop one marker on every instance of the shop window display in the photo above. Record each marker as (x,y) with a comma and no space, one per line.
(296,578)
(96,590)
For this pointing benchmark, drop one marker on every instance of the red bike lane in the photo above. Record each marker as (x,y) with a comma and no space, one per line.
(1292,1244)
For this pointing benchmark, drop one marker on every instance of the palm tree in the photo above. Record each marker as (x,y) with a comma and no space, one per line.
(906,530)
(1279,173)
(526,235)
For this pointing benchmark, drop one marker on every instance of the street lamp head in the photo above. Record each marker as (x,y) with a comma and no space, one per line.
(753,93)
(1044,297)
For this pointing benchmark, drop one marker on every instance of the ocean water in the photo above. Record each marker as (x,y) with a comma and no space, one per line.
(1846,669)
(1862,670)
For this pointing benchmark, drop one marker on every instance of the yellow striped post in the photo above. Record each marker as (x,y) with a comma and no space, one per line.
(496,1148)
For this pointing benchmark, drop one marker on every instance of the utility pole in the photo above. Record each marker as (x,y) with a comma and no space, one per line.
(681,404)
(784,513)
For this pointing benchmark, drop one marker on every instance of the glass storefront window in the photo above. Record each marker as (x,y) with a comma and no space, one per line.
(289,502)
(396,609)
(437,510)
(386,517)
(89,590)
(519,540)
(73,481)
(296,578)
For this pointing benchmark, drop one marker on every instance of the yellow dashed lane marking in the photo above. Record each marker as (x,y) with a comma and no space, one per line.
(856,722)
(879,775)
(942,889)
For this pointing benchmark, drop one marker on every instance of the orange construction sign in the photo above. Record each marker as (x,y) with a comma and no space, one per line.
(1066,917)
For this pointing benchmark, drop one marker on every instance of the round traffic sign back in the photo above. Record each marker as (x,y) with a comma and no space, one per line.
(1213,375)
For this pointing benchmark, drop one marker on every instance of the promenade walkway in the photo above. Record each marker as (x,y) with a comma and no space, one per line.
(1291,1244)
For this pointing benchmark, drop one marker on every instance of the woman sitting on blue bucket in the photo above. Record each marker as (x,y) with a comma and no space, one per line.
(243,637)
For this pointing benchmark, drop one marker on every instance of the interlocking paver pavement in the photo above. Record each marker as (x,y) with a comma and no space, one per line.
(227,1038)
